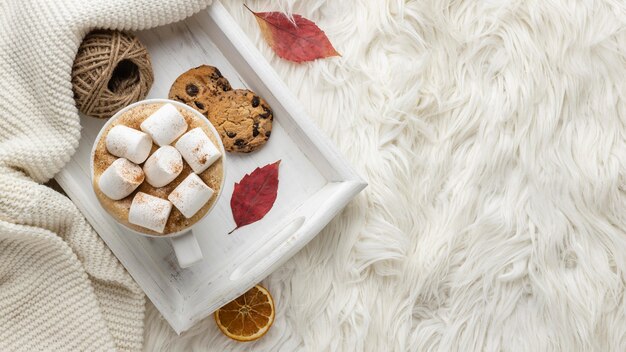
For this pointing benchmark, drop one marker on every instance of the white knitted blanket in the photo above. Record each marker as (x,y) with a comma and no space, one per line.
(60,286)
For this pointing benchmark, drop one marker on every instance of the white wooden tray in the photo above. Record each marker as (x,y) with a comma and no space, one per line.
(315,182)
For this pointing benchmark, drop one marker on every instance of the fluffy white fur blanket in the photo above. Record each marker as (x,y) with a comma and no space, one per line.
(492,134)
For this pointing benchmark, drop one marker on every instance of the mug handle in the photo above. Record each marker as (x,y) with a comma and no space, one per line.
(187,249)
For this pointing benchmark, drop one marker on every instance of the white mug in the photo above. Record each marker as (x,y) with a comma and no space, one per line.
(184,242)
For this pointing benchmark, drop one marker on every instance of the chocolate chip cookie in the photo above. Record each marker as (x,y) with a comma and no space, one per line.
(243,119)
(199,86)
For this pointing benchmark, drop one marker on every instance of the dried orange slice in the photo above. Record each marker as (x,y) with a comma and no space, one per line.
(248,317)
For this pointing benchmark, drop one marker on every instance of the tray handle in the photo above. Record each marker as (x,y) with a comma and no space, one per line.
(186,249)
(279,244)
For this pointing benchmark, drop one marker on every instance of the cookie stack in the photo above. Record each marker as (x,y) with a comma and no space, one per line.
(242,118)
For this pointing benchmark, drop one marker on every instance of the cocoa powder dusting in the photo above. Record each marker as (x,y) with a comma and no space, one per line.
(175,196)
(133,173)
(175,167)
(140,198)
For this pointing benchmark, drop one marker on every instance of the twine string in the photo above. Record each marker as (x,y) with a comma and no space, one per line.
(105,60)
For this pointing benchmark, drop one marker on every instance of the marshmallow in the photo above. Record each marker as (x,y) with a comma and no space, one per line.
(120,179)
(126,142)
(197,150)
(190,195)
(164,125)
(163,166)
(149,211)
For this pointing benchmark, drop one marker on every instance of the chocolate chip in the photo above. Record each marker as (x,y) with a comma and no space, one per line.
(218,73)
(255,101)
(231,134)
(178,97)
(268,133)
(266,112)
(240,142)
(255,129)
(225,86)
(192,89)
(199,105)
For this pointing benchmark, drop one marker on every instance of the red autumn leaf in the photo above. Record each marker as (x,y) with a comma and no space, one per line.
(254,195)
(298,40)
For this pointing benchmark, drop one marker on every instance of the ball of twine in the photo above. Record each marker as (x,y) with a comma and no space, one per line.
(111,70)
